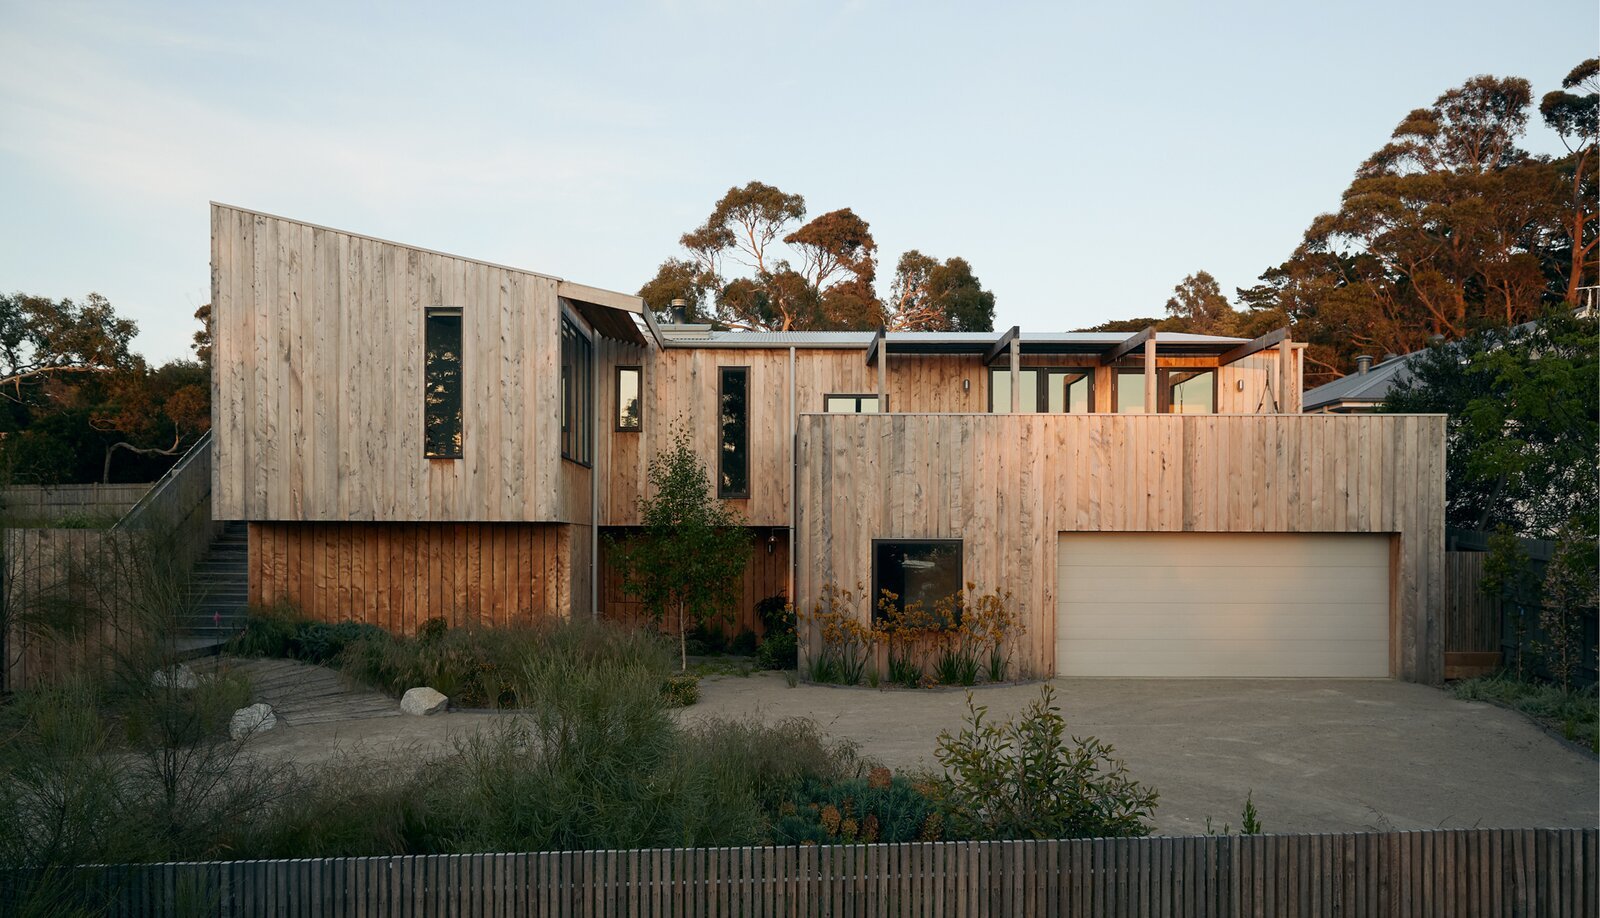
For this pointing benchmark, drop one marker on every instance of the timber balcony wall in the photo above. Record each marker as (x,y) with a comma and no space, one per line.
(1007,485)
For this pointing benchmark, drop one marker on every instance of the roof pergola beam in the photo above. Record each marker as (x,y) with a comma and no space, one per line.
(876,347)
(1001,345)
(1254,346)
(1133,343)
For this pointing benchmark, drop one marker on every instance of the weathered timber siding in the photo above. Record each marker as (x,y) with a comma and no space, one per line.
(680,386)
(1480,872)
(52,502)
(398,575)
(1007,484)
(766,574)
(317,400)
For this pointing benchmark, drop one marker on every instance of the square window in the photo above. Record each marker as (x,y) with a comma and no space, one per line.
(915,570)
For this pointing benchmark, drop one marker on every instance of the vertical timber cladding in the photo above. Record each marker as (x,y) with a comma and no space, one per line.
(318,396)
(398,575)
(1007,485)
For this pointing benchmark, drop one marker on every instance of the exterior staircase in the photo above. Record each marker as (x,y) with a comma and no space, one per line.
(218,591)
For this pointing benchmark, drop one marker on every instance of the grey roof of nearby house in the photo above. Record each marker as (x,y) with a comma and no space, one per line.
(1367,388)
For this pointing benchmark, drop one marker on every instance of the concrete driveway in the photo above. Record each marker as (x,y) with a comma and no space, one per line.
(1319,755)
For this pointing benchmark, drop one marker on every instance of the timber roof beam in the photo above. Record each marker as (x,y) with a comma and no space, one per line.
(1254,346)
(1133,343)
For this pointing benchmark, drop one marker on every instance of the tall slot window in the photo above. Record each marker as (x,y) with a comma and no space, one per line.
(442,384)
(733,458)
(1043,389)
(577,394)
(630,411)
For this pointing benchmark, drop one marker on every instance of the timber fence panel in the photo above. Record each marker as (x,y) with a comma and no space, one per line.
(1434,872)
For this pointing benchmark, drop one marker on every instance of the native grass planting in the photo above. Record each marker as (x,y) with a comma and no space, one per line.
(963,639)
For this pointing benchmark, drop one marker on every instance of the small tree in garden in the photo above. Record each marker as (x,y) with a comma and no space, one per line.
(1569,597)
(690,557)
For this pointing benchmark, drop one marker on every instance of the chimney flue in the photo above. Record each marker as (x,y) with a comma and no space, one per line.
(679,311)
(1363,364)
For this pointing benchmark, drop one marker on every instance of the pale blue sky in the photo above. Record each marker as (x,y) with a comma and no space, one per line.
(1084,157)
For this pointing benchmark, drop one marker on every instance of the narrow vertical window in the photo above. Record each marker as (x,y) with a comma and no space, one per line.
(577,394)
(630,411)
(733,459)
(442,384)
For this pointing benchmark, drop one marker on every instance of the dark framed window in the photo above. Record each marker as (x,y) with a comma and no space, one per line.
(1057,390)
(733,409)
(577,394)
(442,384)
(915,571)
(1182,390)
(1179,390)
(1128,392)
(851,404)
(630,398)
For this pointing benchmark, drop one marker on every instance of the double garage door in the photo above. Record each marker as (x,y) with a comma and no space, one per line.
(1222,605)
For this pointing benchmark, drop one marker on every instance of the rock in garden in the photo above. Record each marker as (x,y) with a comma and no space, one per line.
(257,718)
(177,676)
(422,701)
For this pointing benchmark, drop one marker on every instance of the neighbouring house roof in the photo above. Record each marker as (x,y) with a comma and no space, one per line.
(1359,391)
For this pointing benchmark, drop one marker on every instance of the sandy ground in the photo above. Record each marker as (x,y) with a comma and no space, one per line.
(1318,755)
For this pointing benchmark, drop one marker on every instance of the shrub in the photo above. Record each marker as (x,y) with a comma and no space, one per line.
(778,651)
(743,643)
(1025,779)
(878,808)
(484,667)
(279,632)
(681,690)
(1574,714)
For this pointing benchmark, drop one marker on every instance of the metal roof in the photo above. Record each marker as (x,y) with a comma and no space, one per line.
(1370,387)
(700,335)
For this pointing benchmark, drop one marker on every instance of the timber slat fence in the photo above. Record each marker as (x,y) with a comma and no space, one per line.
(1472,620)
(1533,872)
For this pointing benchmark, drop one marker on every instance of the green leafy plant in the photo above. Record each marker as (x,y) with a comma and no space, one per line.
(1249,818)
(686,563)
(1025,779)
(778,651)
(955,665)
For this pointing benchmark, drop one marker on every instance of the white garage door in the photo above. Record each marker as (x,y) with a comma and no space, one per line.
(1222,604)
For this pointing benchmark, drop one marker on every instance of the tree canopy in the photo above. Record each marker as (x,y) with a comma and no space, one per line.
(78,405)
(1522,436)
(733,272)
(1448,228)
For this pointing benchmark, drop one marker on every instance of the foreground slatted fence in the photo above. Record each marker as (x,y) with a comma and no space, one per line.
(1446,873)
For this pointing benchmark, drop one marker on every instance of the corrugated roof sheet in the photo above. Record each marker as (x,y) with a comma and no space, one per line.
(1371,386)
(863,338)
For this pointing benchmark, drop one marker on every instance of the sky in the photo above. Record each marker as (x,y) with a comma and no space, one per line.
(1084,157)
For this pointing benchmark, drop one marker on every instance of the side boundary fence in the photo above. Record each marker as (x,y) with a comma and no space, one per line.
(1529,872)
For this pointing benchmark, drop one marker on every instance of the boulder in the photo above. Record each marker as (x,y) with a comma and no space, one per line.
(257,718)
(423,701)
(176,676)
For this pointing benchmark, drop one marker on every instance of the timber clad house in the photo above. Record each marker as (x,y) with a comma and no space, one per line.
(410,434)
